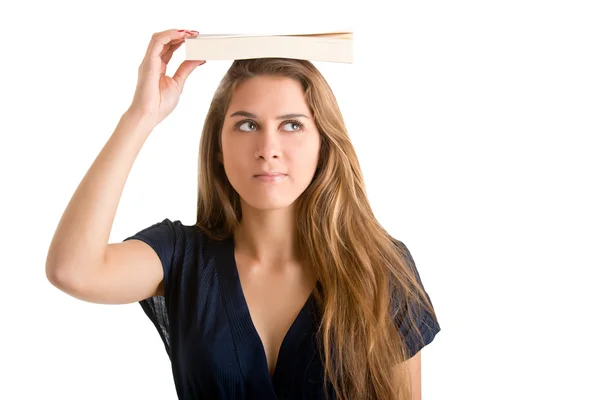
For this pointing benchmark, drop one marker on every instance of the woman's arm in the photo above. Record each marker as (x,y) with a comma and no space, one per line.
(414,370)
(414,367)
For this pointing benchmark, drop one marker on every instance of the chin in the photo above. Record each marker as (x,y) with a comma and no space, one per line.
(267,198)
(268,204)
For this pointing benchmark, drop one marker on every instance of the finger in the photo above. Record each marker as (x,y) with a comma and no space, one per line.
(166,57)
(167,49)
(184,70)
(158,42)
(150,47)
(161,39)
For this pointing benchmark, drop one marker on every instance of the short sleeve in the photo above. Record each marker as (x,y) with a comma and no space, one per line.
(428,325)
(161,237)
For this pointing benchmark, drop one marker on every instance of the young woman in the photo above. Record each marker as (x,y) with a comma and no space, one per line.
(286,286)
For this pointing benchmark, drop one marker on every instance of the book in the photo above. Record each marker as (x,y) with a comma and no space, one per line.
(334,46)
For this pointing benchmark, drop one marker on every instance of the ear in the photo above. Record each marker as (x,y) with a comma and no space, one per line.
(220,157)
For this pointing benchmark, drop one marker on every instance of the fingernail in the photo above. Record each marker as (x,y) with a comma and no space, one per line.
(181,30)
(195,31)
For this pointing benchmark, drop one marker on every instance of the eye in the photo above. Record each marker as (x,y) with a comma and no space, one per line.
(298,124)
(242,123)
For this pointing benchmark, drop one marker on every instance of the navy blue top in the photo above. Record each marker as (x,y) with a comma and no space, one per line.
(206,327)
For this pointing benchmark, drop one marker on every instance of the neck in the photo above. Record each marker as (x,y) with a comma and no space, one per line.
(268,238)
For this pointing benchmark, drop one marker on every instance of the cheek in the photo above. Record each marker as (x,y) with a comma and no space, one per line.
(233,164)
(306,158)
(231,150)
(312,150)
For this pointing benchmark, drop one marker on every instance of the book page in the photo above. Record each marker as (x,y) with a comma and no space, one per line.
(331,33)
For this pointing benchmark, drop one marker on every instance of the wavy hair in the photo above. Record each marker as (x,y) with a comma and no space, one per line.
(367,278)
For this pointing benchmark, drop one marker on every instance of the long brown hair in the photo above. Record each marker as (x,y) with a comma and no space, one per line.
(366,276)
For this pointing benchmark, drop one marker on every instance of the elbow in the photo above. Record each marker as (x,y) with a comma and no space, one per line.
(62,278)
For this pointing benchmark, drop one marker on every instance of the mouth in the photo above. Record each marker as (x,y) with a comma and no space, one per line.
(271,174)
(270,177)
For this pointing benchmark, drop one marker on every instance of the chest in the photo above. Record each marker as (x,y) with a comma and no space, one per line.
(274,301)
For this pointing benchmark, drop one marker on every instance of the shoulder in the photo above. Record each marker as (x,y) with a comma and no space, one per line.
(404,253)
(177,229)
(419,330)
(172,239)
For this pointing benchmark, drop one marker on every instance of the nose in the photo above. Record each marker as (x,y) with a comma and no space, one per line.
(268,144)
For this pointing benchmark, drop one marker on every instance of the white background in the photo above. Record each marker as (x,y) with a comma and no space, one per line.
(477,127)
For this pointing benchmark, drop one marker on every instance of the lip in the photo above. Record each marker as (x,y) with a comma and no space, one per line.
(271,174)
(274,177)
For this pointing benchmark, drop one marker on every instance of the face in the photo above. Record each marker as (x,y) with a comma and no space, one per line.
(268,128)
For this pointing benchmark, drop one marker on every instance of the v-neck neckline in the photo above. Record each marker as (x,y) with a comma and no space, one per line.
(250,350)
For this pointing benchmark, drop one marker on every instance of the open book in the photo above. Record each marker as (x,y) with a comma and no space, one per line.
(323,46)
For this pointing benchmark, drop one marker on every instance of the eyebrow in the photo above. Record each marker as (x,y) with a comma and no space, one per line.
(250,115)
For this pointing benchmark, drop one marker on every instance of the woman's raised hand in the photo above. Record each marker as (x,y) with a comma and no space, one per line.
(156,94)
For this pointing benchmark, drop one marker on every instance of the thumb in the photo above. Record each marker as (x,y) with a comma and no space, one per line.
(185,69)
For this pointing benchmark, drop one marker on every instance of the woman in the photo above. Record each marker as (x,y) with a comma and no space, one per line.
(286,286)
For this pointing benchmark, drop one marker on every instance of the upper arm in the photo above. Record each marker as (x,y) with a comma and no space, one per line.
(412,367)
(418,335)
(131,271)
